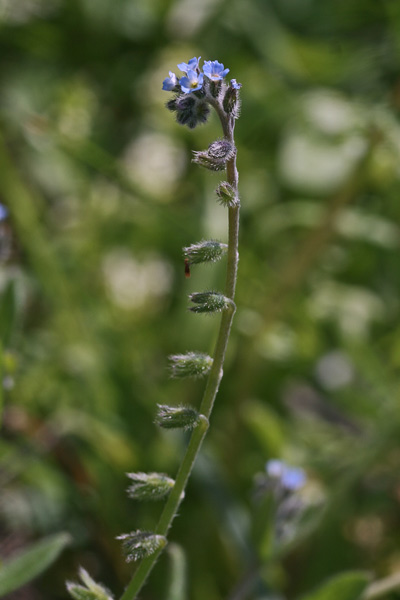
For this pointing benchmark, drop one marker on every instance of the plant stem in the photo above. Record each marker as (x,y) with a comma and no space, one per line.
(214,377)
(170,508)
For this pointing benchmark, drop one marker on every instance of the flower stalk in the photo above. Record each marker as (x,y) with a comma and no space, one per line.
(204,89)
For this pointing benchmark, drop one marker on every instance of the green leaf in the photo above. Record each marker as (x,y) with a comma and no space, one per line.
(346,586)
(31,563)
(177,589)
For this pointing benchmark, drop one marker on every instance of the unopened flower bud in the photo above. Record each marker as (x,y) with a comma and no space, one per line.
(209,302)
(227,194)
(140,544)
(202,111)
(215,88)
(171,104)
(231,102)
(222,149)
(176,417)
(205,251)
(185,102)
(203,159)
(149,486)
(216,156)
(191,110)
(185,111)
(191,364)
(90,591)
(170,83)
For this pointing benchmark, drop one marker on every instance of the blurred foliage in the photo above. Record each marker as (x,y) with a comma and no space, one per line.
(102,197)
(31,563)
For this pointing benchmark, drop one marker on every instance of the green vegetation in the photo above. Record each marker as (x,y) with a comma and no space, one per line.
(102,197)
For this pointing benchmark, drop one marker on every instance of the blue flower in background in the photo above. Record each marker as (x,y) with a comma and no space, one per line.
(192,82)
(192,65)
(3,212)
(290,478)
(214,70)
(235,84)
(170,82)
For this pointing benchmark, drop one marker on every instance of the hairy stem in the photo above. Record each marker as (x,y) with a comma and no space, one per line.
(214,377)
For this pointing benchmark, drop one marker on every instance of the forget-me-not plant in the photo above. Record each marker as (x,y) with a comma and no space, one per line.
(195,93)
(283,484)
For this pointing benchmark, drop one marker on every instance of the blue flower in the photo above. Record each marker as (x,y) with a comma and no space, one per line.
(3,212)
(290,478)
(214,70)
(235,84)
(192,82)
(192,65)
(170,82)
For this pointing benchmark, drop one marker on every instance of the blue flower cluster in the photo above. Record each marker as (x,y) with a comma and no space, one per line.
(289,478)
(198,89)
(193,78)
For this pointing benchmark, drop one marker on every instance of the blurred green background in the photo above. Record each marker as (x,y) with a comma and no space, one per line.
(102,196)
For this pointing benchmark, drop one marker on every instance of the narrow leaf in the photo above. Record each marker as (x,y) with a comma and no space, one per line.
(31,563)
(346,586)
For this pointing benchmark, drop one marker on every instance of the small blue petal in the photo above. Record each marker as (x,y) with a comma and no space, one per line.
(192,65)
(290,478)
(170,82)
(293,479)
(184,67)
(235,84)
(192,82)
(194,62)
(214,70)
(275,468)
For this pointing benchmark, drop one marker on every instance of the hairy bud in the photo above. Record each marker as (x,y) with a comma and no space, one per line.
(191,364)
(89,591)
(177,417)
(209,302)
(140,544)
(227,194)
(205,251)
(231,101)
(190,110)
(203,159)
(215,88)
(149,486)
(222,149)
(171,104)
(216,156)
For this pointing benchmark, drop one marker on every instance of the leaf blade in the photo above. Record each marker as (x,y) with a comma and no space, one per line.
(31,563)
(346,586)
